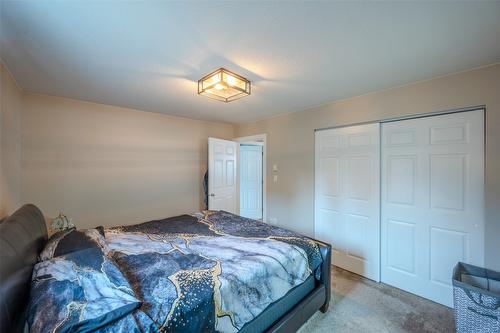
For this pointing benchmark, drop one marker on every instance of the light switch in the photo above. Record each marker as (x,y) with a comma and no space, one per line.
(275,167)
(275,178)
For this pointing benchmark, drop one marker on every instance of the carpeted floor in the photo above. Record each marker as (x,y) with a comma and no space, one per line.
(361,305)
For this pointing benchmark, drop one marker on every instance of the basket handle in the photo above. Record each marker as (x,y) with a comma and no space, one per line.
(480,303)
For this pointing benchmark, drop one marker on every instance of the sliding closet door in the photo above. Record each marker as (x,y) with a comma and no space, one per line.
(432,201)
(347,202)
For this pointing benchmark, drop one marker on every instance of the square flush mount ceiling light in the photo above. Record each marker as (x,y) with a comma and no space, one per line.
(224,85)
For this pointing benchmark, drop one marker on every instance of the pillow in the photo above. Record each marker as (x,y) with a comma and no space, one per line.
(67,241)
(78,292)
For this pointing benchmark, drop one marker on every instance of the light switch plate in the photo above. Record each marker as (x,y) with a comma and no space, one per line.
(275,178)
(275,167)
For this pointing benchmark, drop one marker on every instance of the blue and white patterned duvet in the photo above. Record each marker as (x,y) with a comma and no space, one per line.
(206,272)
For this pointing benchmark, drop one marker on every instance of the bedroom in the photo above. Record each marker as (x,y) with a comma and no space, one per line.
(377,131)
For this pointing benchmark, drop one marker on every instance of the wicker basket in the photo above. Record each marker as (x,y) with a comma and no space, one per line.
(476,295)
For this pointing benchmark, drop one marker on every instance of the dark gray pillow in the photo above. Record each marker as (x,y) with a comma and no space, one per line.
(67,241)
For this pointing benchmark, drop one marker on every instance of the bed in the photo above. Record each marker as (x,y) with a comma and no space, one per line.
(209,271)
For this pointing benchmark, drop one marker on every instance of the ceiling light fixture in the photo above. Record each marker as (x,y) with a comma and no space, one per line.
(224,85)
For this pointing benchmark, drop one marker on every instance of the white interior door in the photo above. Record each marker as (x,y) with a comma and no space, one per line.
(432,201)
(251,181)
(347,191)
(222,194)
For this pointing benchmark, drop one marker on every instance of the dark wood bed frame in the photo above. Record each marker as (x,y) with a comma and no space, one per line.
(24,234)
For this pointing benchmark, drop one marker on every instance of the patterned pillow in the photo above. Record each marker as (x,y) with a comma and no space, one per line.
(67,241)
(78,292)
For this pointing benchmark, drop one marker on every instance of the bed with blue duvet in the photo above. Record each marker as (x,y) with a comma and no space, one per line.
(205,272)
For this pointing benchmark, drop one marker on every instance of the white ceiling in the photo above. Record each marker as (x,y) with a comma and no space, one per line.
(149,55)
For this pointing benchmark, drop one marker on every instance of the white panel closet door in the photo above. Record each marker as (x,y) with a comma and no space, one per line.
(432,201)
(347,203)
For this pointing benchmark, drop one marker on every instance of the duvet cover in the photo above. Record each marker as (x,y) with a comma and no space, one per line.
(206,272)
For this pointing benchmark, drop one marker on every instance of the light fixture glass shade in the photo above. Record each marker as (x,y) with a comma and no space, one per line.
(224,85)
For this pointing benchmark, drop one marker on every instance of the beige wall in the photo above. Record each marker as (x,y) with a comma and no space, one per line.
(105,165)
(10,143)
(291,142)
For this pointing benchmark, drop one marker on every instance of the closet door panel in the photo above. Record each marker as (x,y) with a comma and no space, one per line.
(347,166)
(431,201)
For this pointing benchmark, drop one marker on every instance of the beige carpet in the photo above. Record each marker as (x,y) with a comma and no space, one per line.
(361,305)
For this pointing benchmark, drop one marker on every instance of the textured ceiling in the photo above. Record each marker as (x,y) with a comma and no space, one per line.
(149,55)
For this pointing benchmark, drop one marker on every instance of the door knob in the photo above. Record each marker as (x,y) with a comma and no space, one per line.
(212,195)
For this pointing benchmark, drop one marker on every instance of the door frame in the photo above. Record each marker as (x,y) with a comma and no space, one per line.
(410,116)
(254,139)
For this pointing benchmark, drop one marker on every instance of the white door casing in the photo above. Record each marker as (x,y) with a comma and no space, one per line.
(222,181)
(347,196)
(251,181)
(432,201)
(259,139)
